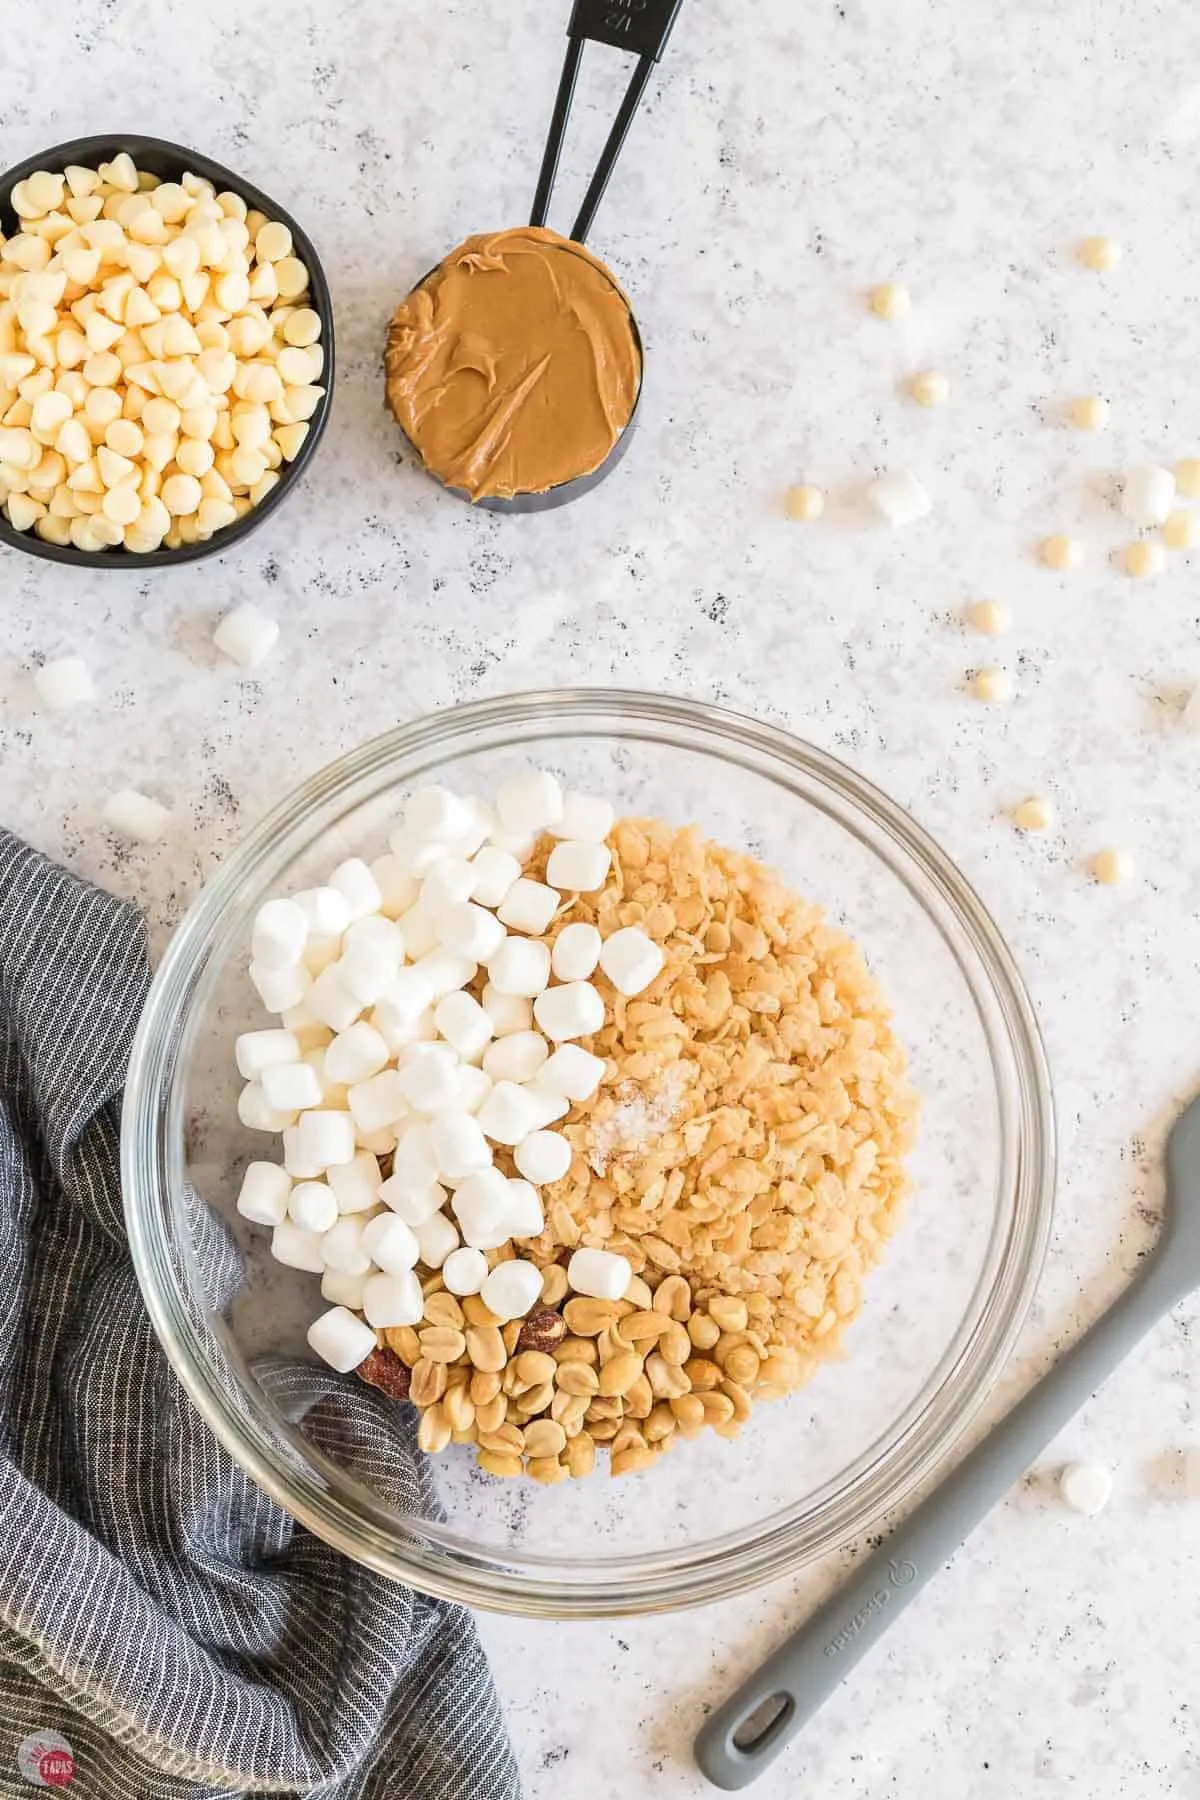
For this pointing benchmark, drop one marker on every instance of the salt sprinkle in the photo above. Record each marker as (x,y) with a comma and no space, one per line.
(639,1117)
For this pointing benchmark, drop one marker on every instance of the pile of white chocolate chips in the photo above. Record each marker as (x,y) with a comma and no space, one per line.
(159,361)
(591,1128)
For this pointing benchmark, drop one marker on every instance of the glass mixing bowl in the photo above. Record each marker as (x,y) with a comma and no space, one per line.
(939,1316)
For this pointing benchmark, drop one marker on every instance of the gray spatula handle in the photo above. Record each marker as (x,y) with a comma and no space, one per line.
(793,1683)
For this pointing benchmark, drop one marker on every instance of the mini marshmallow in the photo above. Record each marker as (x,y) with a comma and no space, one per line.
(256,1115)
(342,1246)
(308,1032)
(402,1003)
(631,960)
(528,906)
(292,1087)
(372,952)
(523,1215)
(584,818)
(428,1077)
(573,1010)
(899,498)
(298,1163)
(341,1289)
(530,803)
(320,953)
(413,1201)
(444,971)
(520,967)
(1147,495)
(437,1239)
(255,1051)
(459,1145)
(390,1301)
(356,1054)
(280,989)
(576,952)
(493,873)
(578,867)
(279,934)
(64,683)
(517,1057)
(512,1290)
(464,1024)
(599,1273)
(1086,1487)
(572,1071)
(480,1203)
(473,1088)
(330,1000)
(246,635)
(341,1339)
(469,930)
(379,1143)
(378,1102)
(324,1138)
(548,1104)
(413,1160)
(419,928)
(357,886)
(398,889)
(326,910)
(437,815)
(313,1206)
(264,1195)
(464,1271)
(297,1249)
(416,854)
(518,844)
(356,1184)
(542,1157)
(389,1242)
(508,1114)
(136,816)
(447,883)
(508,1012)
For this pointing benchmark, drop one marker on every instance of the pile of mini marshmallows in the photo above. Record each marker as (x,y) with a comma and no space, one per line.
(383,1050)
(158,360)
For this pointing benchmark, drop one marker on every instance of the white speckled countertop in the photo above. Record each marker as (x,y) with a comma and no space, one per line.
(788,158)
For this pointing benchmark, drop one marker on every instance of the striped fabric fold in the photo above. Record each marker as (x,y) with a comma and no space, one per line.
(165,1629)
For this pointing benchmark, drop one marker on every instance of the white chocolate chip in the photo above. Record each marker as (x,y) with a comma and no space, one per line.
(1113,868)
(1035,814)
(992,685)
(1144,558)
(929,387)
(1089,413)
(1100,253)
(989,617)
(804,502)
(1086,1487)
(1061,552)
(891,300)
(1147,494)
(899,498)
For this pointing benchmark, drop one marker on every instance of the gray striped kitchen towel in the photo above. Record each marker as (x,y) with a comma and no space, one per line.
(165,1630)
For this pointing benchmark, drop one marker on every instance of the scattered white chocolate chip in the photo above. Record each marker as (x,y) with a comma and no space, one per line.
(1144,557)
(136,816)
(1147,494)
(1089,413)
(1100,253)
(246,635)
(991,685)
(1061,552)
(989,617)
(64,683)
(1113,868)
(1182,530)
(929,387)
(899,497)
(890,300)
(1187,477)
(804,502)
(1086,1487)
(1035,814)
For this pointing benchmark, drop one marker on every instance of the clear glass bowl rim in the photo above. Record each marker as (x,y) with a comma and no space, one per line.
(428,1555)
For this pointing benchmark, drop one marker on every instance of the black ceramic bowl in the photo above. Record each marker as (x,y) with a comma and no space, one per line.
(169,162)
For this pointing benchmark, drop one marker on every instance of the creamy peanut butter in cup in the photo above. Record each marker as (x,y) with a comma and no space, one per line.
(514,368)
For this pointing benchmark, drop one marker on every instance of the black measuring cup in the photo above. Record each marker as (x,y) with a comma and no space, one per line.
(641,27)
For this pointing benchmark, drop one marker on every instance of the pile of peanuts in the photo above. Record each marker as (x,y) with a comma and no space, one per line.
(159,361)
(539,1395)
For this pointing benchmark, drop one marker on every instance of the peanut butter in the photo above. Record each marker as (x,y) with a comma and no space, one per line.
(515,366)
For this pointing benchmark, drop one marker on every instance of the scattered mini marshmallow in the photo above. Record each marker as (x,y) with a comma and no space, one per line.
(631,960)
(1144,558)
(313,1206)
(929,387)
(436,815)
(390,1243)
(464,1271)
(549,1104)
(135,816)
(584,817)
(530,803)
(356,1184)
(297,1249)
(508,1012)
(600,1274)
(576,952)
(1100,253)
(891,300)
(436,1239)
(256,1115)
(325,1137)
(443,971)
(325,909)
(1147,494)
(520,968)
(378,1102)
(1089,413)
(390,1301)
(575,1009)
(1113,868)
(246,636)
(1061,552)
(508,1114)
(448,882)
(413,1159)
(255,1051)
(577,867)
(572,1071)
(354,881)
(299,1163)
(416,1202)
(279,934)
(264,1194)
(64,683)
(459,1145)
(1182,529)
(464,1024)
(517,1057)
(428,1078)
(899,498)
(493,873)
(372,953)
(1035,814)
(341,1289)
(512,1290)
(474,1086)
(991,685)
(342,1246)
(528,906)
(523,1216)
(804,503)
(341,1339)
(331,1001)
(479,1203)
(419,930)
(291,1087)
(469,930)
(1086,1487)
(543,1157)
(398,890)
(356,1054)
